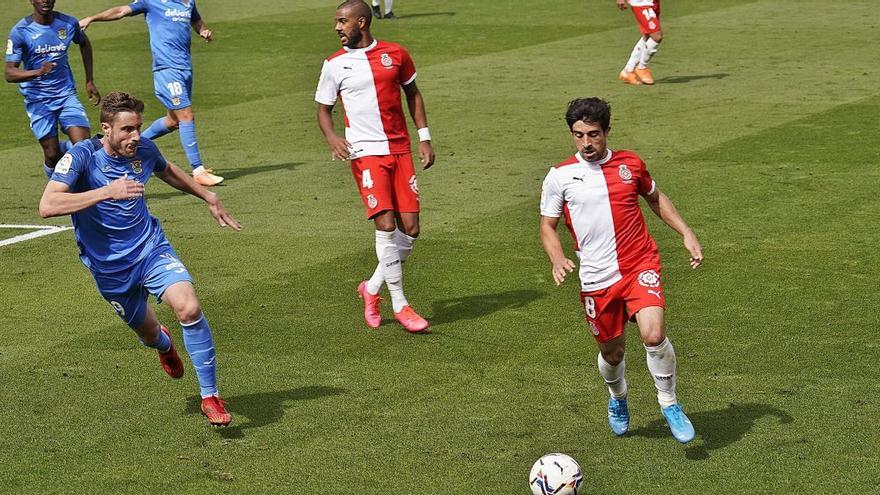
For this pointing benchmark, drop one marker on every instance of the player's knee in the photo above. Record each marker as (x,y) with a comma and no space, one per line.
(411,230)
(653,336)
(189,312)
(613,356)
(657,37)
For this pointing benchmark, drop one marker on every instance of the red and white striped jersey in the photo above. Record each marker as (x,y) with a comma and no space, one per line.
(600,203)
(369,80)
(642,3)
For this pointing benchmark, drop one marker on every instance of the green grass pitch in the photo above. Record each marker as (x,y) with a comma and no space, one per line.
(762,128)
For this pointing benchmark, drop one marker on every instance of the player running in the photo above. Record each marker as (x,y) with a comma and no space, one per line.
(597,191)
(368,75)
(100,183)
(40,41)
(169,23)
(647,13)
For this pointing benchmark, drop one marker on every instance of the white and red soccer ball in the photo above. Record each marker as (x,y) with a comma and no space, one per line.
(555,474)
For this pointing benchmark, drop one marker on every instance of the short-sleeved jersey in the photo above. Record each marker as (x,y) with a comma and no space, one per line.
(642,3)
(112,235)
(168,22)
(369,80)
(600,203)
(34,44)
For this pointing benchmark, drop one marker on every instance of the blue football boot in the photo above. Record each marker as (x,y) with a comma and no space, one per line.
(618,416)
(678,422)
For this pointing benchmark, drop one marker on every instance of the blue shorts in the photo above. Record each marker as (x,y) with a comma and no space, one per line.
(127,291)
(173,87)
(45,115)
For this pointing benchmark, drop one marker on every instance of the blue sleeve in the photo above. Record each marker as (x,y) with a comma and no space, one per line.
(14,47)
(153,151)
(71,166)
(138,7)
(79,36)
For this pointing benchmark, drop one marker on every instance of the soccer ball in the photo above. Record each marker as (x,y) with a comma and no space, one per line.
(555,474)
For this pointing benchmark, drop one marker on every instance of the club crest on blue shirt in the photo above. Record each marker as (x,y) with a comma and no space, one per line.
(9,47)
(175,101)
(386,60)
(625,174)
(136,166)
(62,34)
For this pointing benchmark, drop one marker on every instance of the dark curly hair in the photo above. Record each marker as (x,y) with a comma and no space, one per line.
(591,110)
(117,102)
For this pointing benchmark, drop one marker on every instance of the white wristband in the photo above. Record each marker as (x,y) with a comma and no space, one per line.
(424,134)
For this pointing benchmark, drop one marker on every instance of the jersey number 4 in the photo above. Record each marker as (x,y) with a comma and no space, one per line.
(367,180)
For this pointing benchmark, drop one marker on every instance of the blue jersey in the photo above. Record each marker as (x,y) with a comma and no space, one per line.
(168,22)
(33,44)
(112,235)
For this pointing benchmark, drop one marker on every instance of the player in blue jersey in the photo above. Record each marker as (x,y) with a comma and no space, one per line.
(169,23)
(100,183)
(40,42)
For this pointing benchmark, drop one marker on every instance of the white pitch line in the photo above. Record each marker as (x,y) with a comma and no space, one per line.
(42,230)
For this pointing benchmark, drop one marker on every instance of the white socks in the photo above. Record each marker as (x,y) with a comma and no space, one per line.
(388,4)
(614,377)
(635,56)
(661,364)
(390,260)
(404,248)
(648,52)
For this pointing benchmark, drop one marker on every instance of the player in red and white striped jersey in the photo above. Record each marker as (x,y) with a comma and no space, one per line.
(647,13)
(368,74)
(597,192)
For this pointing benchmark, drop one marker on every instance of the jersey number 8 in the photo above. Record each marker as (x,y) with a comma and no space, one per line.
(590,306)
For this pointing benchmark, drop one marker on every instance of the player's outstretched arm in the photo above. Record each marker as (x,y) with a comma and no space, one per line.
(200,27)
(662,206)
(176,178)
(560,265)
(339,146)
(15,74)
(57,199)
(111,14)
(417,111)
(85,49)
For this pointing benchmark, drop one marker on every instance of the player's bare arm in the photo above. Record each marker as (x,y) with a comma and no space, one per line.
(85,49)
(339,146)
(560,265)
(662,206)
(15,74)
(178,179)
(200,27)
(416,105)
(111,14)
(57,199)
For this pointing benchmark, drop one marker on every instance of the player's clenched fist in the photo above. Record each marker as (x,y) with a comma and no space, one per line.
(125,188)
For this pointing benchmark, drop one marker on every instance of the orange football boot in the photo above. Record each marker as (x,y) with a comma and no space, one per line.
(629,77)
(169,359)
(371,306)
(215,410)
(645,75)
(411,320)
(205,177)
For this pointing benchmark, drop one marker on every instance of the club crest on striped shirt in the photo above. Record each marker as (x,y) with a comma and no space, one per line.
(625,174)
(386,60)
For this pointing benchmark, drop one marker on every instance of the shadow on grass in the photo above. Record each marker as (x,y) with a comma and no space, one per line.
(262,409)
(229,174)
(476,306)
(687,79)
(716,429)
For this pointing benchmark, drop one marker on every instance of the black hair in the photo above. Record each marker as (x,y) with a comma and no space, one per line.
(590,110)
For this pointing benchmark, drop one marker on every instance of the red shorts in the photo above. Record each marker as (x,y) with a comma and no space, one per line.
(387,182)
(648,18)
(607,310)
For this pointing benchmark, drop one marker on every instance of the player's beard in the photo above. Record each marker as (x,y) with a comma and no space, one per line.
(353,38)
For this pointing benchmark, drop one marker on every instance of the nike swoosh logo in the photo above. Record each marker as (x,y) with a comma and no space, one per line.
(210,361)
(35,36)
(190,145)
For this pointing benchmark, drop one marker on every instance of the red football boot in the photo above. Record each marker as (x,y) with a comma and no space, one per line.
(215,410)
(411,320)
(170,361)
(371,306)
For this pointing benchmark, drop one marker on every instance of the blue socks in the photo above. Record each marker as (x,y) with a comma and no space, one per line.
(190,143)
(200,347)
(162,344)
(156,129)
